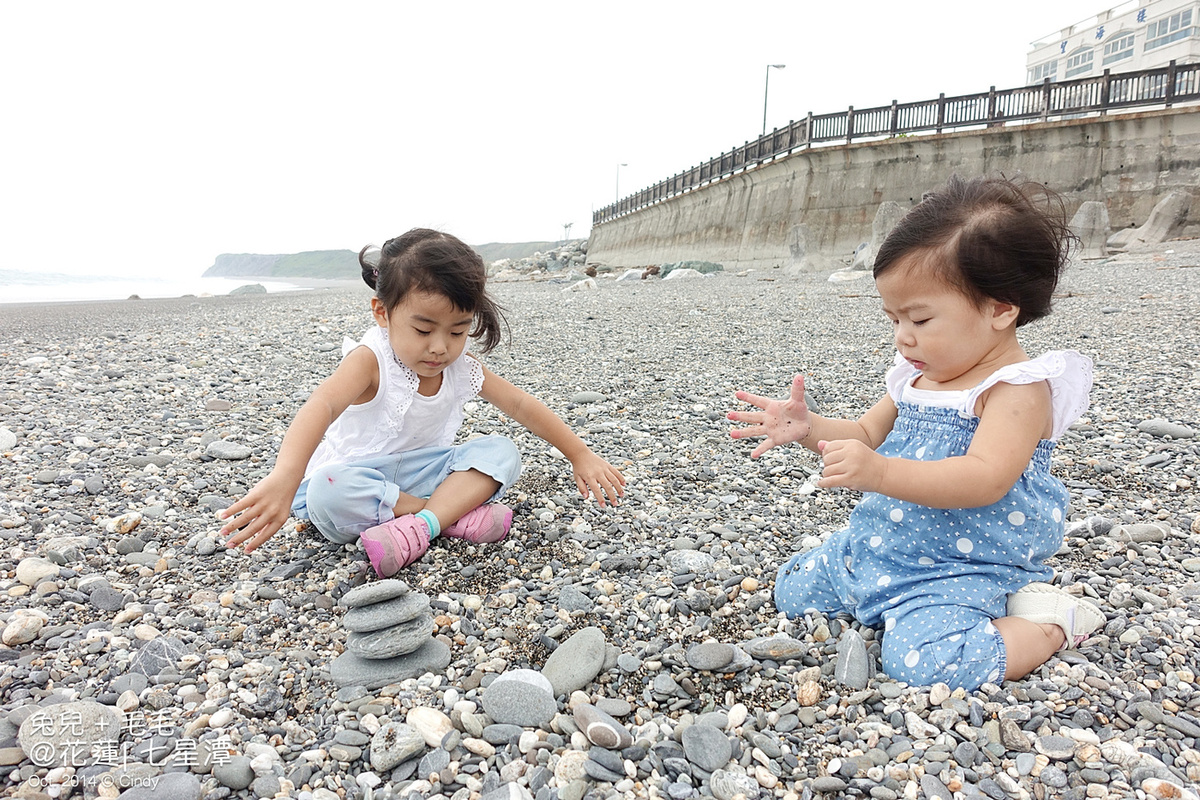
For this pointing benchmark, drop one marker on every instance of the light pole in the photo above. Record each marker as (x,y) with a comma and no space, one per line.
(766,88)
(619,181)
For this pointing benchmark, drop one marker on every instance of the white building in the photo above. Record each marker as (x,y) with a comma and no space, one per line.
(1139,34)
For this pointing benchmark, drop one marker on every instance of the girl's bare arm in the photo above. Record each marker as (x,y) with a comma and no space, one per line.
(1012,421)
(784,421)
(592,473)
(266,507)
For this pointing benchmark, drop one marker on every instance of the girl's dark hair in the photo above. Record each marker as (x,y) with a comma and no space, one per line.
(425,260)
(989,238)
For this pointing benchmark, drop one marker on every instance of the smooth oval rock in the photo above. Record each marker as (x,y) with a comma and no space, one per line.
(396,640)
(706,747)
(32,571)
(374,592)
(520,697)
(349,669)
(395,743)
(384,614)
(576,662)
(432,724)
(709,656)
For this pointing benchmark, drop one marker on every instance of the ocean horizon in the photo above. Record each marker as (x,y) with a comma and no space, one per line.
(21,286)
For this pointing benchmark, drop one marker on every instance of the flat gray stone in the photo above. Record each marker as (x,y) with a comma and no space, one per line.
(106,598)
(499,734)
(435,760)
(395,743)
(575,662)
(934,789)
(587,397)
(397,640)
(374,673)
(1162,428)
(1059,748)
(234,773)
(709,656)
(377,616)
(375,592)
(614,706)
(775,648)
(228,451)
(520,697)
(706,747)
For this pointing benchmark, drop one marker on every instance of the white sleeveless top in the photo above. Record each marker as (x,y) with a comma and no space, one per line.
(397,418)
(1069,374)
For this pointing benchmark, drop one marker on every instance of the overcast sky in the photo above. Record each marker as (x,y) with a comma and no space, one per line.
(141,137)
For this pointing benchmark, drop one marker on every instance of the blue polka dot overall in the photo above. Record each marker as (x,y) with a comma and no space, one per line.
(936,578)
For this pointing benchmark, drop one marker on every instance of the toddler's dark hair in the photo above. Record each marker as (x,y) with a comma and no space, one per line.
(425,260)
(989,238)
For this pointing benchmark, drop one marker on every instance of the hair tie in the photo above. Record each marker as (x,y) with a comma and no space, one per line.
(375,273)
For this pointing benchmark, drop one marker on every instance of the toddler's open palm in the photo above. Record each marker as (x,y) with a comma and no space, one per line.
(780,421)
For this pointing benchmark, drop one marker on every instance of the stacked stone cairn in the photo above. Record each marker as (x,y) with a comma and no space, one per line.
(389,636)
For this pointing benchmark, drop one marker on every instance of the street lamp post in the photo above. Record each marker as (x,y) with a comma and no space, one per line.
(618,199)
(766,88)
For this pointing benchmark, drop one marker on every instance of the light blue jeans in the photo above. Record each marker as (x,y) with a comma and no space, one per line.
(343,500)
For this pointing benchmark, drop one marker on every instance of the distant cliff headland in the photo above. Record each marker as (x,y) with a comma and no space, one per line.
(338,264)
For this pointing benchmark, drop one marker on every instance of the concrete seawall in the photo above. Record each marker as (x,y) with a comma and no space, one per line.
(746,221)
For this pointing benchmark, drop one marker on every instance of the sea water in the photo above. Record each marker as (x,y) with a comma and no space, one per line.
(20,286)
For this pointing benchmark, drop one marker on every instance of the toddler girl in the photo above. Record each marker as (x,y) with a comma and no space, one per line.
(946,549)
(370,454)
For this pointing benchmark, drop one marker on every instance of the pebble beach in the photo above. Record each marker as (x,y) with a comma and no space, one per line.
(596,652)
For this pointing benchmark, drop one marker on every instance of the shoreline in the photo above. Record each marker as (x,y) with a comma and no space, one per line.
(285,286)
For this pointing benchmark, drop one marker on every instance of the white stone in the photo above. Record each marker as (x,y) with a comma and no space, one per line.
(432,724)
(21,629)
(570,767)
(31,571)
(221,718)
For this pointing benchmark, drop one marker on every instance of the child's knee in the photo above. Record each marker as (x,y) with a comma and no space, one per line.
(496,456)
(331,504)
(507,456)
(325,488)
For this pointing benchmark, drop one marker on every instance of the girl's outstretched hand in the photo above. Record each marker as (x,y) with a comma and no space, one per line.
(602,479)
(781,421)
(260,514)
(851,464)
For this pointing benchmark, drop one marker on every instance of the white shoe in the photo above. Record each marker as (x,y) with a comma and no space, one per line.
(1046,604)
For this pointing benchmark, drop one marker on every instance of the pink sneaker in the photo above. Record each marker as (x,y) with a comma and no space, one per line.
(395,544)
(487,523)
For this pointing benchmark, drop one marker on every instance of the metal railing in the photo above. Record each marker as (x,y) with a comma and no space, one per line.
(1162,86)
